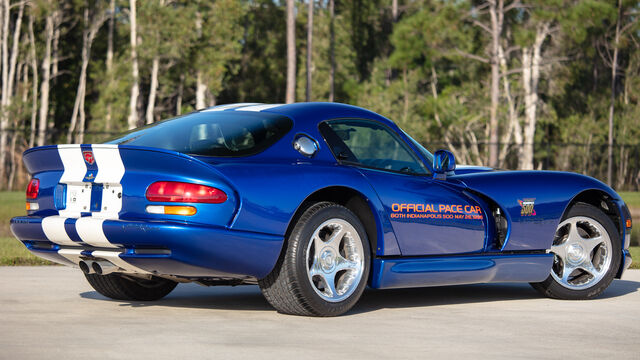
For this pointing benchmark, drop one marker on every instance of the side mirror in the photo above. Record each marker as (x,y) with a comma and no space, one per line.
(443,162)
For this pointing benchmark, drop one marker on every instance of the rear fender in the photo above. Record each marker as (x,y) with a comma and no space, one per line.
(272,193)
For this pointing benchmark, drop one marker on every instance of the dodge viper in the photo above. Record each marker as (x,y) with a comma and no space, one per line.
(313,202)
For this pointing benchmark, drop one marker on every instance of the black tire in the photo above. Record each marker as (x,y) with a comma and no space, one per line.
(287,287)
(553,289)
(121,287)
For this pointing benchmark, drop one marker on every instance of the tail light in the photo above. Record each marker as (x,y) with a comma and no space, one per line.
(172,191)
(33,188)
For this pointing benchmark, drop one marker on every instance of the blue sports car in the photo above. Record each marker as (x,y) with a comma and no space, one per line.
(313,202)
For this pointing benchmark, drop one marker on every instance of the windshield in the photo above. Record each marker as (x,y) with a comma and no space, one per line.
(212,133)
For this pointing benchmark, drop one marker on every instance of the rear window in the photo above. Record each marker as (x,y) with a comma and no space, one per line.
(213,133)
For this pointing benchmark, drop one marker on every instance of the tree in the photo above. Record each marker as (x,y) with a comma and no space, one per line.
(309,49)
(8,76)
(132,121)
(215,47)
(624,21)
(332,50)
(542,23)
(109,59)
(291,52)
(156,20)
(531,64)
(496,14)
(426,50)
(614,74)
(92,20)
(46,74)
(201,89)
(33,60)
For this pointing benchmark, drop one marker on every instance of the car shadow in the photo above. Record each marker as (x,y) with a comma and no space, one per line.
(243,297)
(620,288)
(374,300)
(248,297)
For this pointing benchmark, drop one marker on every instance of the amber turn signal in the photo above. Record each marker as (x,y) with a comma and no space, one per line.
(628,223)
(180,210)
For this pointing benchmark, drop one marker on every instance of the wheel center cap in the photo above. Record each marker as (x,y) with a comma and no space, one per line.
(575,254)
(327,260)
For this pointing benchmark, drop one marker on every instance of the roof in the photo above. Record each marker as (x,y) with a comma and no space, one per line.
(305,111)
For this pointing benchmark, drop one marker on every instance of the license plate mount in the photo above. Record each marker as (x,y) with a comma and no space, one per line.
(97,199)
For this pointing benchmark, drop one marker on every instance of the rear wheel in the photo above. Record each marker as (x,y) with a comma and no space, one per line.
(586,252)
(122,287)
(325,267)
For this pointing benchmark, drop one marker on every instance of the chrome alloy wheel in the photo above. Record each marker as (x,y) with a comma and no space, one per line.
(335,260)
(583,253)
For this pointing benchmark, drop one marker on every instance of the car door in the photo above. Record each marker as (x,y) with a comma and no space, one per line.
(428,216)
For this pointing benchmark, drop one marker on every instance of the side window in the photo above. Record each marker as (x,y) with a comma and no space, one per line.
(370,144)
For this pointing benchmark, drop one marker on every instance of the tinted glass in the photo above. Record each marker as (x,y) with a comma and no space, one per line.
(427,155)
(372,145)
(217,133)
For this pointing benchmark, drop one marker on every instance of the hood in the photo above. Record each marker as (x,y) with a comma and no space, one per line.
(471,169)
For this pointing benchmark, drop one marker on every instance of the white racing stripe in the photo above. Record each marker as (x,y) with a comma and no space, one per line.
(109,162)
(259,107)
(73,162)
(228,106)
(115,259)
(53,228)
(90,231)
(110,173)
(72,255)
(75,255)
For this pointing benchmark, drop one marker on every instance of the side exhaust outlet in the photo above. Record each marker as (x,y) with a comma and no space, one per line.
(86,267)
(103,267)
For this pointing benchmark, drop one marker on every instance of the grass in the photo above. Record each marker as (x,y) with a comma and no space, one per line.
(635,254)
(11,204)
(12,252)
(631,198)
(635,232)
(633,202)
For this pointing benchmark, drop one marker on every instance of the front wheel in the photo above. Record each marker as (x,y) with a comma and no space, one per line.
(586,252)
(325,267)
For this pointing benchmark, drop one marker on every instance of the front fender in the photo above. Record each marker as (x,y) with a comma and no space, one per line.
(533,201)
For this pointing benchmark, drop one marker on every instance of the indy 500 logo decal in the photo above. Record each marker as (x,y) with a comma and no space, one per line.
(527,207)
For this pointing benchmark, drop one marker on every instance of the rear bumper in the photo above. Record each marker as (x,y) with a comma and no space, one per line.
(161,248)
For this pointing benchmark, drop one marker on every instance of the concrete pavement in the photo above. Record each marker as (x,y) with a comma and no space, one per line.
(53,313)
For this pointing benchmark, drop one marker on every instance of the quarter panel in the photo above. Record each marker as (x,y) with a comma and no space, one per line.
(270,194)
